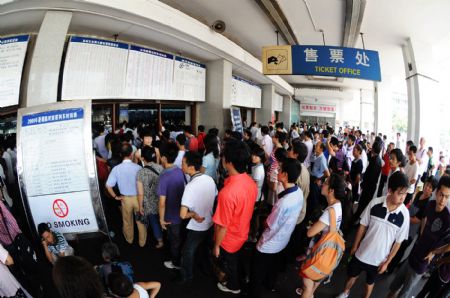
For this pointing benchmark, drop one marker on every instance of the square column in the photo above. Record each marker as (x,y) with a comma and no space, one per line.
(215,111)
(264,114)
(286,114)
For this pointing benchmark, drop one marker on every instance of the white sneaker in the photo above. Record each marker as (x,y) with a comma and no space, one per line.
(343,295)
(170,265)
(223,288)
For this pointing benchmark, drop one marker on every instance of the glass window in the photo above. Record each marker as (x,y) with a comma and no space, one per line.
(8,125)
(102,114)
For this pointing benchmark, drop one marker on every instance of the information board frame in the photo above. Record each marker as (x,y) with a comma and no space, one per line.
(88,159)
(22,39)
(236,119)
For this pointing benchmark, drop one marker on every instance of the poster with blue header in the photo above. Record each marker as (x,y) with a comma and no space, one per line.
(56,167)
(12,57)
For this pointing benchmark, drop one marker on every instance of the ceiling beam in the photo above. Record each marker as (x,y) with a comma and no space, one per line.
(278,19)
(354,13)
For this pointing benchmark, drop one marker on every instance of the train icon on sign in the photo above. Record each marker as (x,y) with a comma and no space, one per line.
(276,60)
(60,208)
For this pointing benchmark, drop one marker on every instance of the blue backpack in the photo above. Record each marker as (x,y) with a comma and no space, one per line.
(125,268)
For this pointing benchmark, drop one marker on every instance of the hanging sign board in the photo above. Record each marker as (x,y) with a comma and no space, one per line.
(236,119)
(56,167)
(322,61)
(94,68)
(245,93)
(189,80)
(149,74)
(12,56)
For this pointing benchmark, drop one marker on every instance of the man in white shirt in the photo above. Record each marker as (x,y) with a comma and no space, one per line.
(383,227)
(99,142)
(279,226)
(422,157)
(309,144)
(10,177)
(254,130)
(181,141)
(197,204)
(267,143)
(349,151)
(412,170)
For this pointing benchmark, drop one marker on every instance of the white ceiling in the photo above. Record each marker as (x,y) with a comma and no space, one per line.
(386,25)
(246,23)
(328,15)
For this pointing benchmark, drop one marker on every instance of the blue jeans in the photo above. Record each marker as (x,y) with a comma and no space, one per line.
(193,240)
(153,219)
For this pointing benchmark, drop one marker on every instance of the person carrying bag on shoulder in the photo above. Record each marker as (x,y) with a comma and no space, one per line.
(326,254)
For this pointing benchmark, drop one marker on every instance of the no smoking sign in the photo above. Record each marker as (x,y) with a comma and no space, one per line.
(60,208)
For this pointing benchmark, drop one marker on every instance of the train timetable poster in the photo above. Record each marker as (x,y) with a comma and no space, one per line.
(12,56)
(56,167)
(189,80)
(245,93)
(149,74)
(94,68)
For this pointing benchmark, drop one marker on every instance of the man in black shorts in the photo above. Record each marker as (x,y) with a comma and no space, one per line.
(384,225)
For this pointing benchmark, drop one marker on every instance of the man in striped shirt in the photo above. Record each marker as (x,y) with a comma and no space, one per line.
(54,243)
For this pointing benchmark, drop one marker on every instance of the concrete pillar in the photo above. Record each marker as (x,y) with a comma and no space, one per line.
(422,96)
(286,114)
(383,107)
(215,111)
(45,66)
(376,104)
(264,114)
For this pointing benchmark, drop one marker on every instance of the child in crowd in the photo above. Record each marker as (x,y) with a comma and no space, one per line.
(122,287)
(112,263)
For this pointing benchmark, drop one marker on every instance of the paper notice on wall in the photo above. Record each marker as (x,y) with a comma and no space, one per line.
(12,56)
(94,69)
(189,80)
(149,74)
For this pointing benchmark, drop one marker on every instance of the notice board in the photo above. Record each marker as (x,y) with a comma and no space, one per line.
(189,80)
(56,169)
(94,69)
(12,56)
(245,93)
(149,74)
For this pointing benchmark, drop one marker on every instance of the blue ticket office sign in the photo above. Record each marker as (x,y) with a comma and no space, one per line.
(322,61)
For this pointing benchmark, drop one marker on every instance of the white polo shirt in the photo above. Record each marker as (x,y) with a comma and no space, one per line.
(281,221)
(383,229)
(199,195)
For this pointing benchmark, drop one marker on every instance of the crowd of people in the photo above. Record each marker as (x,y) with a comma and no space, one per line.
(294,195)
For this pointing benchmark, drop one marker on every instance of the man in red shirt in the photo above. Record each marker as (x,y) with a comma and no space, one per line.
(200,137)
(233,214)
(191,140)
(385,169)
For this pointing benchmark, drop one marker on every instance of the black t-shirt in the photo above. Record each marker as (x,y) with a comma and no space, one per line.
(420,206)
(357,167)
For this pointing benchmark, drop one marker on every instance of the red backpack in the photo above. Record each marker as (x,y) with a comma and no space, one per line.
(326,253)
